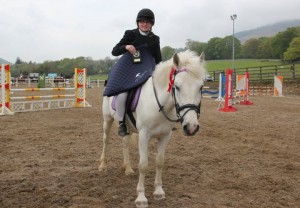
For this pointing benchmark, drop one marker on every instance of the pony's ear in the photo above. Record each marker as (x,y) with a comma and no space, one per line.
(176,59)
(202,57)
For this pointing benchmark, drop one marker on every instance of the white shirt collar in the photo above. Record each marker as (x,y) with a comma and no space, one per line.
(143,33)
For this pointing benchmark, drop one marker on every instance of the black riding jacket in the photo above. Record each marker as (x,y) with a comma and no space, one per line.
(133,37)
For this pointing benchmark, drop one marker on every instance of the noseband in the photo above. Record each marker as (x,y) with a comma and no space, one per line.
(178,108)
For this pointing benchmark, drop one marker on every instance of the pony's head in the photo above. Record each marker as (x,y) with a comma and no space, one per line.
(187,79)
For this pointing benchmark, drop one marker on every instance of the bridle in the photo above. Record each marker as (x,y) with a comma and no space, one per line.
(178,108)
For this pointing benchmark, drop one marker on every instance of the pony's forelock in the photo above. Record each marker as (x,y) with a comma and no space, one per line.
(189,60)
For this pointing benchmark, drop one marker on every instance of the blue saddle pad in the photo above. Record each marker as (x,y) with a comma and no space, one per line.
(126,74)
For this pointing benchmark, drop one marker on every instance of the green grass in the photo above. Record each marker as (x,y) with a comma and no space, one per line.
(218,65)
(99,76)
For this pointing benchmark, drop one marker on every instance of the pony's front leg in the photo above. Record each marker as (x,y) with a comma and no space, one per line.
(141,200)
(126,163)
(159,162)
(106,133)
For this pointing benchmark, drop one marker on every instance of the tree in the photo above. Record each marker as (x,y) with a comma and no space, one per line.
(167,52)
(44,69)
(18,61)
(221,48)
(214,49)
(250,48)
(66,66)
(293,52)
(196,46)
(282,40)
(106,64)
(264,50)
(227,47)
(48,67)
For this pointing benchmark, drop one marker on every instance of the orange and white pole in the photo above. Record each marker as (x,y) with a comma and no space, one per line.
(278,83)
(246,100)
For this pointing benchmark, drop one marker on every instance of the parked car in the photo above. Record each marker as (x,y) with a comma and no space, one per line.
(208,78)
(34,77)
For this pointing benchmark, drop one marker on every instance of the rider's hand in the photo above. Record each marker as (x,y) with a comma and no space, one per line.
(131,49)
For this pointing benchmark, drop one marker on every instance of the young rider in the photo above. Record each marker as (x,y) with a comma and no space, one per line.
(142,35)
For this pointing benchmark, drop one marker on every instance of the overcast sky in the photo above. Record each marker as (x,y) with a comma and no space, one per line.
(40,30)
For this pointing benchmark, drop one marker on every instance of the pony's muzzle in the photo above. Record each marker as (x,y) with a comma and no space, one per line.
(191,129)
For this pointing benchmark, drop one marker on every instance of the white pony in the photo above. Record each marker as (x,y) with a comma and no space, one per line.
(172,94)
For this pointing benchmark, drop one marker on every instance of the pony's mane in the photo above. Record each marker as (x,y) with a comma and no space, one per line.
(188,60)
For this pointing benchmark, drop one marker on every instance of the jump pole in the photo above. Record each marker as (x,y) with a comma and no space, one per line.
(278,83)
(228,95)
(5,90)
(222,80)
(246,100)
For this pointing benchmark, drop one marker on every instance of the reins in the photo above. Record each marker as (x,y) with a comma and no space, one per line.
(161,107)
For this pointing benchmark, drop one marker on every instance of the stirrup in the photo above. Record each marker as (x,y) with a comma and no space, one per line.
(122,131)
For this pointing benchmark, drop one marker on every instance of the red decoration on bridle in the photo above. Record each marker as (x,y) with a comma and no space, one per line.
(172,75)
(171,78)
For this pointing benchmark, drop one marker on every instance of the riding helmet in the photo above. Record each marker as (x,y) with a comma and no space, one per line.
(145,14)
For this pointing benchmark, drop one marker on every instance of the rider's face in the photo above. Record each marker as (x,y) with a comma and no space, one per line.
(145,25)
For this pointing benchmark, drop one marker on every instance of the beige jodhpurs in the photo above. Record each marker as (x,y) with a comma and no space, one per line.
(121,105)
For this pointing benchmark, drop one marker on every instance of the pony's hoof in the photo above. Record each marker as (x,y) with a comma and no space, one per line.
(141,201)
(129,171)
(102,167)
(159,193)
(159,196)
(141,204)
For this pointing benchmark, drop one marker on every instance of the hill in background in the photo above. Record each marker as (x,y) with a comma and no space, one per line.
(2,61)
(267,30)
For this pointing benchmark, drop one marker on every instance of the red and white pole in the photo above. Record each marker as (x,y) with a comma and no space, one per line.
(228,95)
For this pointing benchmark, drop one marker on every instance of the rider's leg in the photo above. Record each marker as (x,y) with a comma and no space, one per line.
(120,108)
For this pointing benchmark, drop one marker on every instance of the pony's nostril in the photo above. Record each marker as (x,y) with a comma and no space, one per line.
(185,129)
(190,131)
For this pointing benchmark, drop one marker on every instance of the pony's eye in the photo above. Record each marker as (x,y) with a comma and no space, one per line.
(177,88)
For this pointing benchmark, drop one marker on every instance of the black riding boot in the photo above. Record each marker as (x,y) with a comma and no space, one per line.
(122,129)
